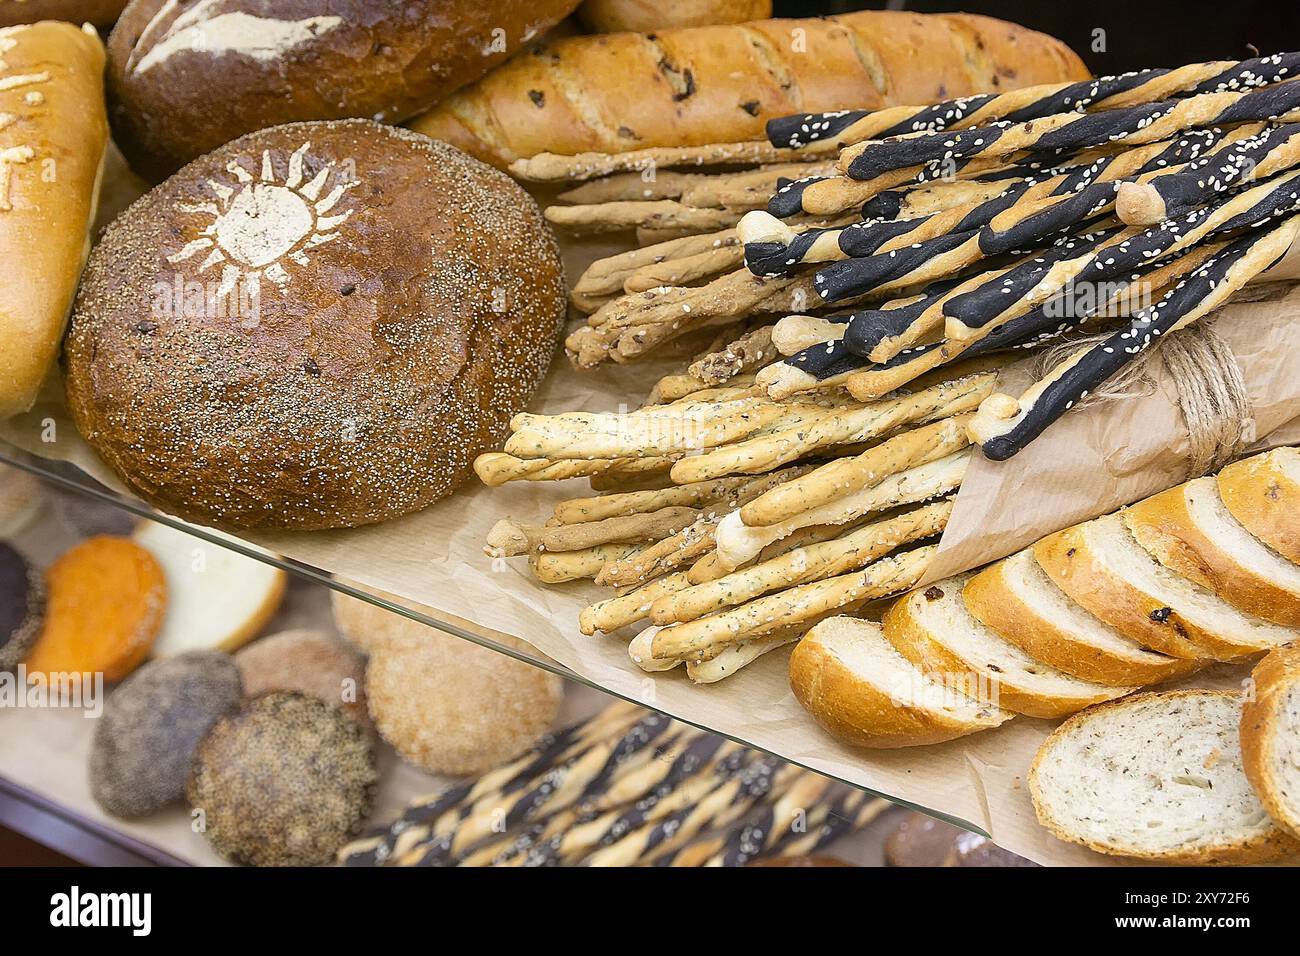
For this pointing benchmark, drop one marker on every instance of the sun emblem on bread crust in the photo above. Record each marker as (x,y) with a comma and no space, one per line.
(261,224)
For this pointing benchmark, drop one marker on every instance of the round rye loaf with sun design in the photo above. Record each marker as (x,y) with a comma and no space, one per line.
(316,326)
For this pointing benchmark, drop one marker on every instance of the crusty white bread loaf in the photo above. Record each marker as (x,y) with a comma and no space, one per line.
(695,86)
(1102,567)
(1016,599)
(646,16)
(1270,736)
(860,689)
(932,629)
(53,133)
(217,599)
(1188,530)
(1263,493)
(1158,777)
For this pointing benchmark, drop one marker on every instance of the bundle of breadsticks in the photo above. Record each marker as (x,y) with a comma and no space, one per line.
(627,787)
(912,238)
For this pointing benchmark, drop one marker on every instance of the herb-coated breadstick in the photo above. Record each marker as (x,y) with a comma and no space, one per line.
(497,468)
(508,538)
(738,543)
(1145,203)
(654,214)
(578,510)
(835,427)
(795,605)
(606,276)
(749,352)
(556,567)
(846,127)
(882,160)
(610,615)
(1006,425)
(854,472)
(552,167)
(685,271)
(814,562)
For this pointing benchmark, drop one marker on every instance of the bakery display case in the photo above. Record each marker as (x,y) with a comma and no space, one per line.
(414,455)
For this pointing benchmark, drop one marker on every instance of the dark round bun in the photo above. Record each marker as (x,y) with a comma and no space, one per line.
(145,741)
(183,79)
(22,607)
(312,662)
(284,782)
(408,303)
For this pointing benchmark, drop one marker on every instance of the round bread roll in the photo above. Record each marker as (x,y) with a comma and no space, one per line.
(283,782)
(22,607)
(450,706)
(185,78)
(316,326)
(145,741)
(646,16)
(312,662)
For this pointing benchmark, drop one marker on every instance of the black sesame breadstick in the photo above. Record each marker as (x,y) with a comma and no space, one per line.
(848,813)
(846,127)
(1005,425)
(1072,131)
(1149,202)
(1120,252)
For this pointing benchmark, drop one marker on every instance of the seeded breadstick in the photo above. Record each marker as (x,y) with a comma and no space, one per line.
(632,474)
(497,468)
(751,351)
(870,162)
(653,214)
(616,612)
(551,167)
(1005,425)
(846,127)
(811,563)
(624,187)
(749,189)
(639,502)
(559,566)
(738,543)
(607,276)
(795,333)
(793,606)
(508,538)
(733,657)
(836,427)
(853,473)
(969,314)
(685,271)
(1145,203)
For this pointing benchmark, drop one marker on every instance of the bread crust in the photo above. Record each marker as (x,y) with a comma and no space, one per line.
(717,84)
(1265,499)
(860,713)
(410,308)
(916,642)
(998,607)
(101,13)
(184,80)
(1269,846)
(1069,562)
(643,16)
(1261,723)
(55,101)
(1165,527)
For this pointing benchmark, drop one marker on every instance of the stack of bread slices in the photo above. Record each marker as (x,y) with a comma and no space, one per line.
(1207,571)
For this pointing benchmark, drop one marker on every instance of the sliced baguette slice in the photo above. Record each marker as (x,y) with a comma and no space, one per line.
(1270,736)
(932,629)
(1263,493)
(217,599)
(1188,530)
(1101,566)
(1018,601)
(1156,777)
(865,693)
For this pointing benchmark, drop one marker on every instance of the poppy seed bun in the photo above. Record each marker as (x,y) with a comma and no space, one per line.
(312,662)
(316,326)
(145,740)
(284,782)
(22,607)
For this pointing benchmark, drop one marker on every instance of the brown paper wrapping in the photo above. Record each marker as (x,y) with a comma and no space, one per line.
(1091,462)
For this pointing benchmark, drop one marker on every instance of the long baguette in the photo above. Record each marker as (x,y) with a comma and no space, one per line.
(720,84)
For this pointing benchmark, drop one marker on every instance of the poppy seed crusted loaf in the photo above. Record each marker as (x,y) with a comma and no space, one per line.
(316,326)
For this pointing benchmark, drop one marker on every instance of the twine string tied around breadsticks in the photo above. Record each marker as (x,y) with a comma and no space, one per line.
(1210,387)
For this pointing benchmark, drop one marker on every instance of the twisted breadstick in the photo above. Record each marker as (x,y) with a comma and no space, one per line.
(1005,425)
(846,127)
